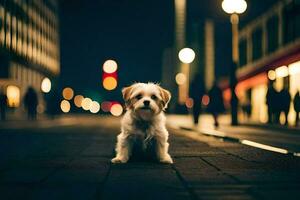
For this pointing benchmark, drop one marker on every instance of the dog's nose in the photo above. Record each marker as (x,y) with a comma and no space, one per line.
(146,103)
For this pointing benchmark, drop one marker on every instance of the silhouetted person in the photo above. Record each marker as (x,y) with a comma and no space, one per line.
(284,102)
(216,103)
(271,99)
(31,102)
(196,93)
(297,107)
(53,103)
(3,105)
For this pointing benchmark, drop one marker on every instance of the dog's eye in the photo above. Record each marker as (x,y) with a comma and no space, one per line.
(153,97)
(139,96)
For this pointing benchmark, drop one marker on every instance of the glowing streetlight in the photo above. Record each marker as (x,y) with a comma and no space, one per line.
(46,85)
(186,55)
(234,7)
(110,66)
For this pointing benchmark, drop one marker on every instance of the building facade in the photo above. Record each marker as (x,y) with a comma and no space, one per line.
(29,46)
(269,49)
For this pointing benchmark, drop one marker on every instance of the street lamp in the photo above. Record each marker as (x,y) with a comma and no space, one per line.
(186,56)
(234,7)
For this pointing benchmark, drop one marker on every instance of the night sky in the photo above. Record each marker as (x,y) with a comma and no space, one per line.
(134,33)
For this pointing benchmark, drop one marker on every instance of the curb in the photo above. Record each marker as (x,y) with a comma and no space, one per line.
(222,135)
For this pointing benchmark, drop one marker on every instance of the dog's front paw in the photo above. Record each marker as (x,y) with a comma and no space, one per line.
(166,160)
(118,160)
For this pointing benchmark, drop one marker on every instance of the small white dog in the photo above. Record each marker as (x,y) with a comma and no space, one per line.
(144,121)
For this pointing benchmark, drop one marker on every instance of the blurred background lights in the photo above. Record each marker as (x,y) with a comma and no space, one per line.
(186,55)
(110,83)
(68,93)
(65,106)
(86,103)
(282,71)
(95,107)
(110,66)
(205,100)
(271,75)
(180,78)
(13,96)
(294,68)
(116,110)
(78,100)
(189,103)
(234,6)
(105,106)
(46,85)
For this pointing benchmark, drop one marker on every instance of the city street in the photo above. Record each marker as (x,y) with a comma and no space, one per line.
(69,158)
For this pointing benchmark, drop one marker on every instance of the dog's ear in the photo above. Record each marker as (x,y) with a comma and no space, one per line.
(165,95)
(126,92)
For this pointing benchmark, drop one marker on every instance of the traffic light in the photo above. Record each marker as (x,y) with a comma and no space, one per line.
(109,76)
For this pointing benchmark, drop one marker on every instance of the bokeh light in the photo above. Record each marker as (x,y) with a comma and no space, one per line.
(78,100)
(110,83)
(68,93)
(186,55)
(105,106)
(180,78)
(189,103)
(86,103)
(46,85)
(116,110)
(95,107)
(282,71)
(205,100)
(65,106)
(294,68)
(110,66)
(13,96)
(234,6)
(271,75)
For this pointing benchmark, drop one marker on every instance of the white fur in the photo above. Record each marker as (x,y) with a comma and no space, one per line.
(144,124)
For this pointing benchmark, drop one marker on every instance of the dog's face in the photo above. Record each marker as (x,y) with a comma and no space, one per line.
(146,99)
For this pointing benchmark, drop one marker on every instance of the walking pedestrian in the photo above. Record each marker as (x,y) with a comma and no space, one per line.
(296,103)
(216,103)
(31,102)
(196,93)
(271,103)
(284,103)
(3,105)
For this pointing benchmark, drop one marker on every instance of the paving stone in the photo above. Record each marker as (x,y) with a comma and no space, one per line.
(25,175)
(197,178)
(70,175)
(15,191)
(78,191)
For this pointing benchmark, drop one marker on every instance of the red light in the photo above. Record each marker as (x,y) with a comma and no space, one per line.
(205,100)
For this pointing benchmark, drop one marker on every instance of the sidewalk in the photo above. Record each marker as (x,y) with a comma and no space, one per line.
(74,163)
(282,137)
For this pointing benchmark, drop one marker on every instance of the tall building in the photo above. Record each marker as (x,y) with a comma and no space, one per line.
(29,46)
(269,49)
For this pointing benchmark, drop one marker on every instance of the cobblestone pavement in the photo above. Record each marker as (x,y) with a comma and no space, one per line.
(72,161)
